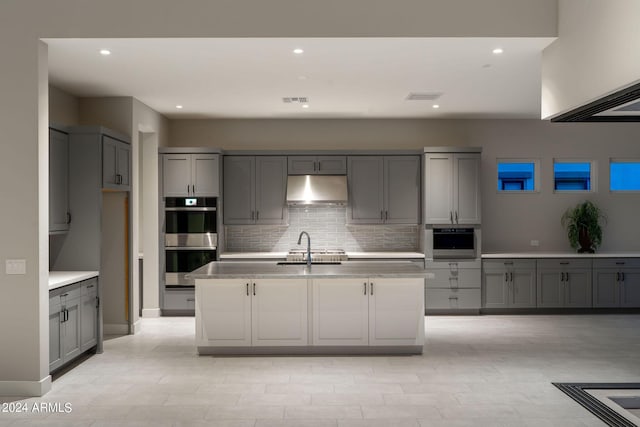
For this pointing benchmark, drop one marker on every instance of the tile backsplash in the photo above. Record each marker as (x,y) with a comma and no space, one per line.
(328,229)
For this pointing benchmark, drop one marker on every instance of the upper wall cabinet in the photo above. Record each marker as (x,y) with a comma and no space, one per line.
(452,188)
(255,189)
(116,164)
(59,215)
(317,165)
(191,175)
(384,190)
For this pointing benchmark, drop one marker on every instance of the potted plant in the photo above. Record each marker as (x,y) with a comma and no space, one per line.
(583,227)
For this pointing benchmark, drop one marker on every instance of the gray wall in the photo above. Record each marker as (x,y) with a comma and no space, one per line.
(328,230)
(510,221)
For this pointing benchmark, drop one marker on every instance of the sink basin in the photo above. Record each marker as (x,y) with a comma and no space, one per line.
(305,262)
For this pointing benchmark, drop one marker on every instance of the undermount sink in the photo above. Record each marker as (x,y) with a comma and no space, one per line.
(305,262)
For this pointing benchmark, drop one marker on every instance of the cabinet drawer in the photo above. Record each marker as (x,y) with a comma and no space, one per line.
(616,263)
(453,265)
(502,264)
(89,287)
(466,278)
(564,263)
(453,298)
(180,300)
(66,293)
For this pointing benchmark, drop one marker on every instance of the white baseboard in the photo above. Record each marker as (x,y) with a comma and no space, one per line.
(136,327)
(26,388)
(115,329)
(150,312)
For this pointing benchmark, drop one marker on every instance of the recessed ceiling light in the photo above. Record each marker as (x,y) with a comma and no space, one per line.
(179,107)
(497,51)
(105,52)
(302,77)
(436,106)
(305,105)
(298,51)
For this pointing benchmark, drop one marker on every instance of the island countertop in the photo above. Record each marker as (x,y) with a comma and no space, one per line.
(270,269)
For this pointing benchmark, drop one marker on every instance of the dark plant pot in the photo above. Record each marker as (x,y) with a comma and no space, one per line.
(585,242)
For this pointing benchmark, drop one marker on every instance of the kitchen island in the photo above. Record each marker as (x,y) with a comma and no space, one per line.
(350,308)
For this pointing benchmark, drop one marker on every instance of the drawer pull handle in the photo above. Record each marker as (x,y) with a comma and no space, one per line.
(254,289)
(508,263)
(564,263)
(64,295)
(90,286)
(371,288)
(247,289)
(620,263)
(190,299)
(365,287)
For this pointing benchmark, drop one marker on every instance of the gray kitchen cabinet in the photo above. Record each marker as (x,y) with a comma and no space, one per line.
(73,321)
(88,314)
(255,190)
(564,283)
(616,283)
(456,286)
(179,300)
(384,189)
(509,283)
(55,333)
(59,215)
(191,175)
(452,188)
(317,165)
(116,164)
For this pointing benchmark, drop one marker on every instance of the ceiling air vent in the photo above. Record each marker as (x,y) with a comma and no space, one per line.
(295,99)
(423,96)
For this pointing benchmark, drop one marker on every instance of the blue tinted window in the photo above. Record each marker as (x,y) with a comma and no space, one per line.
(572,176)
(624,176)
(516,176)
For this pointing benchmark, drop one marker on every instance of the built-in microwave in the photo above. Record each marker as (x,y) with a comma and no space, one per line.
(454,243)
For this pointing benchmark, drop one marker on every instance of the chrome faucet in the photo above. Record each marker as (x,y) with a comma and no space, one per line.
(308,246)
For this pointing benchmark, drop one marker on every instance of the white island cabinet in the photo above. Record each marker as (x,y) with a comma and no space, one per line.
(258,308)
(252,312)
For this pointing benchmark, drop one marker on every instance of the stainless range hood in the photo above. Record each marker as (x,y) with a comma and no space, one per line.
(317,190)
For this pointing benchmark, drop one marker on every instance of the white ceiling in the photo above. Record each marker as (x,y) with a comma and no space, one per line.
(342,77)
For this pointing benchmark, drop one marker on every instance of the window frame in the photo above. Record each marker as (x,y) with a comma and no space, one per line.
(622,160)
(593,175)
(536,174)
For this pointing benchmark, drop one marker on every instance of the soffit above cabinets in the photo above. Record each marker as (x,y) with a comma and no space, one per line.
(338,77)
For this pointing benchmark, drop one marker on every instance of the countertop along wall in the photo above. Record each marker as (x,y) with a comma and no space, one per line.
(509,221)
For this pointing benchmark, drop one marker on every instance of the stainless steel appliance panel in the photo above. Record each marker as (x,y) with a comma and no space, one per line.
(191,240)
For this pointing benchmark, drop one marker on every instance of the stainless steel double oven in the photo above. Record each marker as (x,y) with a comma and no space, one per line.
(191,238)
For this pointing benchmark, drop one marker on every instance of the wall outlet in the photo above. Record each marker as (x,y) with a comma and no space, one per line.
(535,243)
(16,266)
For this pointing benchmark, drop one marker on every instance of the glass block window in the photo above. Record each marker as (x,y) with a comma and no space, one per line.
(517,175)
(572,176)
(624,175)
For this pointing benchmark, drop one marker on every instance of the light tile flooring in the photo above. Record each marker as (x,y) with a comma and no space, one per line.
(475,371)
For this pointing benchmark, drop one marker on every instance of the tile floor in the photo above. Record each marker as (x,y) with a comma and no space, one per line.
(475,371)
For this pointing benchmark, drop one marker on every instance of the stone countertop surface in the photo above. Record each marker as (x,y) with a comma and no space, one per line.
(266,269)
(560,255)
(352,255)
(58,279)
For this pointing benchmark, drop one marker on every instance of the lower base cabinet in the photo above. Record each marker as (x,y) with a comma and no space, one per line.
(368,311)
(564,283)
(616,283)
(251,312)
(509,283)
(278,312)
(456,286)
(73,321)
